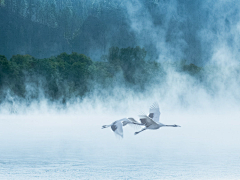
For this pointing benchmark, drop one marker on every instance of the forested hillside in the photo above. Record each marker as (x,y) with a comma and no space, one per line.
(63,50)
(44,28)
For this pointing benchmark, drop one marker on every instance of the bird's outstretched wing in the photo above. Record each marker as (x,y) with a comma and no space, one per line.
(147,121)
(154,112)
(117,128)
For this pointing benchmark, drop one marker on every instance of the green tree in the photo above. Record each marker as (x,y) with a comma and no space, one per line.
(131,61)
(4,70)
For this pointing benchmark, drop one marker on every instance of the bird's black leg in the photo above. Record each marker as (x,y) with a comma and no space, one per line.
(139,131)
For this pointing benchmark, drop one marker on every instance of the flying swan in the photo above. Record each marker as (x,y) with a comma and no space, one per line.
(152,120)
(117,126)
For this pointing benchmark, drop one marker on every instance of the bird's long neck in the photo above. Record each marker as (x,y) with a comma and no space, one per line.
(170,125)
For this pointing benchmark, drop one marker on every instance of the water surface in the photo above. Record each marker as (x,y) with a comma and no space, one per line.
(75,147)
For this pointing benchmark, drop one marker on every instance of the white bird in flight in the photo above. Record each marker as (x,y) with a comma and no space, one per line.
(152,120)
(117,126)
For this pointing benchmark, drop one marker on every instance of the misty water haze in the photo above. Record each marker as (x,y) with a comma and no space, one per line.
(46,138)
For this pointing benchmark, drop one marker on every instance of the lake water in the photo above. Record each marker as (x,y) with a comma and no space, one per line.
(75,147)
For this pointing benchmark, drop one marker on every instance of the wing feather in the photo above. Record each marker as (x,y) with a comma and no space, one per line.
(154,112)
(117,128)
(147,121)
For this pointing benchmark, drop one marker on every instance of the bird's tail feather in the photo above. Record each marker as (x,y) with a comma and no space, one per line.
(118,136)
(135,123)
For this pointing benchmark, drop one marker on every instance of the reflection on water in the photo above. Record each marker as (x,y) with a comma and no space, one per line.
(64,148)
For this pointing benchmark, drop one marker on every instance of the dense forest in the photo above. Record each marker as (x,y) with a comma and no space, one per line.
(44,28)
(73,76)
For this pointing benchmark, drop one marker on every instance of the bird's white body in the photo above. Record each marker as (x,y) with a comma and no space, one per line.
(153,126)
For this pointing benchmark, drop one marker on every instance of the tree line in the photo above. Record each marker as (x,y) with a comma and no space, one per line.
(70,76)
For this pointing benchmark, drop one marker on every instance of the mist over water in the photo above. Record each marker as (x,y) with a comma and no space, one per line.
(75,146)
(46,140)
